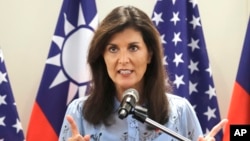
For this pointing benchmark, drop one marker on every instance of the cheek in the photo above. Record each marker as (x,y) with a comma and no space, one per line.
(142,66)
(110,64)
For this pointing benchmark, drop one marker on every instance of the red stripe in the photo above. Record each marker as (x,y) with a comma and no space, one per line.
(239,109)
(39,127)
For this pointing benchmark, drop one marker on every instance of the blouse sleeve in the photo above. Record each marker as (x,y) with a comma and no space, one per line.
(193,125)
(75,110)
(184,117)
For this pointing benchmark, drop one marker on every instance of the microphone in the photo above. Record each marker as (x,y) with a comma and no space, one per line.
(129,98)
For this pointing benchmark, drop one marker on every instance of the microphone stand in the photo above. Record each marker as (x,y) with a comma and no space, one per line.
(140,114)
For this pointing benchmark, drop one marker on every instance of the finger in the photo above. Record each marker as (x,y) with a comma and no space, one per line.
(77,138)
(200,138)
(73,126)
(86,137)
(217,128)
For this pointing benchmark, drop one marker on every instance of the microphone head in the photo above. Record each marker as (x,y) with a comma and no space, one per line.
(133,92)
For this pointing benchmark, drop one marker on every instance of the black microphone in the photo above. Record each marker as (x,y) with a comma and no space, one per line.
(129,98)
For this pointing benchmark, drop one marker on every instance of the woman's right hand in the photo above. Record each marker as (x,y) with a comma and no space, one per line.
(76,136)
(214,131)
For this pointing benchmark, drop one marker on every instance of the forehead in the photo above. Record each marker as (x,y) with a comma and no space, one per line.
(127,34)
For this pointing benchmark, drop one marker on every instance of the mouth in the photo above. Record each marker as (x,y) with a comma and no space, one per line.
(125,71)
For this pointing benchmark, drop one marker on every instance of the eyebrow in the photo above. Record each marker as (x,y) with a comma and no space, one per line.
(135,43)
(129,43)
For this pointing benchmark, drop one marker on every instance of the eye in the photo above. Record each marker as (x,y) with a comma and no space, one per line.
(133,48)
(112,49)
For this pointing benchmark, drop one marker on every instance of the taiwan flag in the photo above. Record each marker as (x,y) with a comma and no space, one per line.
(239,108)
(186,58)
(66,75)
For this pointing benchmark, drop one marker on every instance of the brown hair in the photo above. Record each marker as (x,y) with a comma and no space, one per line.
(100,104)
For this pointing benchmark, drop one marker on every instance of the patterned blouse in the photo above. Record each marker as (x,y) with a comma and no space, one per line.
(182,120)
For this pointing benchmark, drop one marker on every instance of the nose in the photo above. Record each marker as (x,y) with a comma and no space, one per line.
(123,57)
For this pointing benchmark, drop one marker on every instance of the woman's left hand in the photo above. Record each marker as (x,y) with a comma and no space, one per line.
(214,131)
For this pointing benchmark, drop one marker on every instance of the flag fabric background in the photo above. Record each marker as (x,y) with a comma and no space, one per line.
(10,125)
(239,108)
(186,59)
(66,73)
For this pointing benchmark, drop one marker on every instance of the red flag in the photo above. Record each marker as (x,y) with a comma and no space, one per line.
(239,109)
(66,74)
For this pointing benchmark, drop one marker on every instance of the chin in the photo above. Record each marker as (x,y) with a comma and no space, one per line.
(127,86)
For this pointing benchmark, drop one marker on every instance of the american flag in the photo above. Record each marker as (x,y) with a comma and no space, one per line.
(10,125)
(66,74)
(186,59)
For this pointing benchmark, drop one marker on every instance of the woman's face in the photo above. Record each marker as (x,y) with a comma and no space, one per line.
(126,57)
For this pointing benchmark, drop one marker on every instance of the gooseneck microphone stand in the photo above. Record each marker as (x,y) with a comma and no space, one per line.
(140,114)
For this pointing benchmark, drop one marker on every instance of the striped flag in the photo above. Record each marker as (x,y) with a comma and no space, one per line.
(66,73)
(10,125)
(239,108)
(186,59)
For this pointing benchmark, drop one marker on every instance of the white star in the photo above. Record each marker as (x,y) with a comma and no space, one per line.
(192,87)
(2,121)
(177,38)
(193,66)
(179,80)
(173,1)
(209,70)
(195,22)
(3,77)
(210,113)
(157,18)
(194,2)
(175,18)
(207,131)
(18,126)
(211,92)
(194,106)
(194,44)
(2,100)
(177,59)
(163,41)
(165,60)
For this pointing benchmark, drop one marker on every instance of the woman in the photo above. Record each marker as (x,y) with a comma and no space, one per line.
(126,52)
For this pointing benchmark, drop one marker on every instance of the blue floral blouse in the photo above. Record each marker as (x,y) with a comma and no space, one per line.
(182,120)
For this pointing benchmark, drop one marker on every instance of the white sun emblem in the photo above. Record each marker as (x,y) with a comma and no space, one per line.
(72,58)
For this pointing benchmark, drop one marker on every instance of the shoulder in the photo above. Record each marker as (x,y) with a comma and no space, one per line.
(177,100)
(180,106)
(79,100)
(74,109)
(182,117)
(76,105)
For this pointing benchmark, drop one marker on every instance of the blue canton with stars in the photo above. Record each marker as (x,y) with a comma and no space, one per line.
(10,125)
(186,58)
